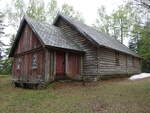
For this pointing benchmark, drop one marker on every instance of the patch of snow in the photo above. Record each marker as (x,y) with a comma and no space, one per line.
(140,76)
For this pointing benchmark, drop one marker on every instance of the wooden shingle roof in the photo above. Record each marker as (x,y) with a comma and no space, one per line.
(97,37)
(49,35)
(52,36)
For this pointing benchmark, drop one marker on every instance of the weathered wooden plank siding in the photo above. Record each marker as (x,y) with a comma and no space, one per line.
(73,65)
(28,41)
(28,46)
(49,67)
(107,63)
(26,72)
(90,62)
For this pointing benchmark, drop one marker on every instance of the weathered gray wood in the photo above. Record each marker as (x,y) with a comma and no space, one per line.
(95,62)
(81,66)
(54,74)
(90,58)
(47,65)
(98,60)
(51,66)
(108,64)
(66,63)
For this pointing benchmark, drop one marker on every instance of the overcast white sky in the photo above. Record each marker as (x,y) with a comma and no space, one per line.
(88,8)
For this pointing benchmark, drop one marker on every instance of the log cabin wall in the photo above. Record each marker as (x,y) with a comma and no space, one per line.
(95,61)
(28,47)
(90,62)
(108,66)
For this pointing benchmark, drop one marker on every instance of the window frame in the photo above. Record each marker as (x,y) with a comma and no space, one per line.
(126,60)
(34,61)
(18,64)
(117,58)
(133,61)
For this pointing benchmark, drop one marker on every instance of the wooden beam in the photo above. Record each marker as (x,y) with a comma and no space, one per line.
(28,52)
(98,60)
(47,65)
(65,50)
(54,64)
(81,66)
(66,64)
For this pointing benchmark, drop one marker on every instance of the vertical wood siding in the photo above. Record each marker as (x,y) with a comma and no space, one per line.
(90,62)
(26,71)
(74,65)
(60,63)
(28,41)
(28,46)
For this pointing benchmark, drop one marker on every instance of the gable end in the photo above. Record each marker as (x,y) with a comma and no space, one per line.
(20,31)
(97,38)
(59,17)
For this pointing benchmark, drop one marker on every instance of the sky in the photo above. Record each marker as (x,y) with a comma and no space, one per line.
(88,9)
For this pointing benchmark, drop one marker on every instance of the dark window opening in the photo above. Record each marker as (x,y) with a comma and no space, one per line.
(117,59)
(126,60)
(133,62)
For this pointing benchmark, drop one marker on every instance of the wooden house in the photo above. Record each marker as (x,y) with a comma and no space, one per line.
(68,49)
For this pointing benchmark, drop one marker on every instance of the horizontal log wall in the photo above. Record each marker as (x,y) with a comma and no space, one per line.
(90,62)
(107,63)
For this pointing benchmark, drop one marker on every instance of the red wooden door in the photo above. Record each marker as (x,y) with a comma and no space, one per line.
(60,63)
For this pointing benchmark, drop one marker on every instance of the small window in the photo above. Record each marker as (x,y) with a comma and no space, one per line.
(117,60)
(19,64)
(34,61)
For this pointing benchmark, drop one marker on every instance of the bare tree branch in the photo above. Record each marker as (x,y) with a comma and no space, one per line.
(144,3)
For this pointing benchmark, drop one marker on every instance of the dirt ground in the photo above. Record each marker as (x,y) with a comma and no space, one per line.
(61,84)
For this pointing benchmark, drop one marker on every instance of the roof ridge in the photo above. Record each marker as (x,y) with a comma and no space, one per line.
(53,31)
(96,30)
(95,35)
(35,19)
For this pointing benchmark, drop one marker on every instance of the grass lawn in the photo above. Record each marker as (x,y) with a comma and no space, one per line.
(112,96)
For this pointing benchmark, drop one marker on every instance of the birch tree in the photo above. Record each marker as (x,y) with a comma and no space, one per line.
(119,24)
(36,9)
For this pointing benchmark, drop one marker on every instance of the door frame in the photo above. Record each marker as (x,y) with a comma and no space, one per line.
(55,65)
(66,71)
